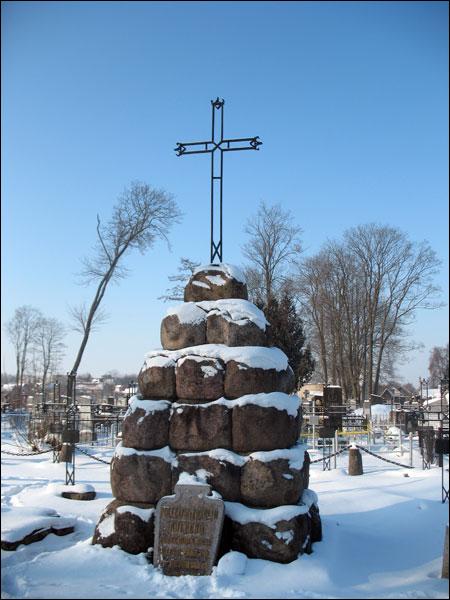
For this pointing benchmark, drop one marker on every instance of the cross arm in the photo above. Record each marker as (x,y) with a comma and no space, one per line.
(197,147)
(240,144)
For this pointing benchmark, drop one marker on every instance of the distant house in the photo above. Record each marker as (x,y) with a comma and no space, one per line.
(323,395)
(395,396)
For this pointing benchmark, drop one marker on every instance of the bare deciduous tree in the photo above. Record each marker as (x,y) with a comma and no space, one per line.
(185,271)
(360,296)
(273,244)
(141,216)
(438,365)
(48,341)
(20,330)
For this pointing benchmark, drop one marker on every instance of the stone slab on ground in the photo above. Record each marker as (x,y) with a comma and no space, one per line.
(79,491)
(26,525)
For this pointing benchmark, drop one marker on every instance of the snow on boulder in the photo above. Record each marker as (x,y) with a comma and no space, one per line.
(213,282)
(255,357)
(157,378)
(79,491)
(25,525)
(242,379)
(199,379)
(279,534)
(146,424)
(274,478)
(184,325)
(237,310)
(129,526)
(141,475)
(265,422)
(221,329)
(197,427)
(222,475)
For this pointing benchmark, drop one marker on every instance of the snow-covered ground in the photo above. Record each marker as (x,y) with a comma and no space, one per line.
(383,536)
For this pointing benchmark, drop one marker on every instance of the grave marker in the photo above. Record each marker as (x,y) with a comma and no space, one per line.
(187,531)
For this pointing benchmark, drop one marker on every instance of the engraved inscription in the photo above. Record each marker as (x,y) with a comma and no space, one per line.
(188,529)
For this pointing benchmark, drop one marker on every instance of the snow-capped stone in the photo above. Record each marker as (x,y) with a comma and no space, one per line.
(146,424)
(223,475)
(129,526)
(25,525)
(184,325)
(141,476)
(199,379)
(157,378)
(216,282)
(198,427)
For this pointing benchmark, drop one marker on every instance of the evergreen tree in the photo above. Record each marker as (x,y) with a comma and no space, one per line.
(287,333)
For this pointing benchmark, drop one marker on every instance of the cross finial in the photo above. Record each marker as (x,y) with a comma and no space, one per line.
(223,145)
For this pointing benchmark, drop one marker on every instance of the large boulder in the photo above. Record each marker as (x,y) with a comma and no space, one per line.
(184,326)
(220,329)
(157,378)
(214,282)
(146,424)
(129,526)
(279,540)
(141,476)
(258,427)
(241,379)
(220,468)
(200,427)
(199,379)
(269,482)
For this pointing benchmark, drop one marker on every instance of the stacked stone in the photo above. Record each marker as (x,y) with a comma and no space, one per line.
(215,403)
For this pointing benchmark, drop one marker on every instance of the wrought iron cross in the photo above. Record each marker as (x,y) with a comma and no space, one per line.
(211,146)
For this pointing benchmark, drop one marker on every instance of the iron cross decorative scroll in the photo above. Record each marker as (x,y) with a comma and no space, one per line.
(231,145)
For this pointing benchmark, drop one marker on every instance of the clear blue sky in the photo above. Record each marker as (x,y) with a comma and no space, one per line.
(350,100)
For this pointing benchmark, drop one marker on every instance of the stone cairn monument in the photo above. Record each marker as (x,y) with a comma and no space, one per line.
(215,405)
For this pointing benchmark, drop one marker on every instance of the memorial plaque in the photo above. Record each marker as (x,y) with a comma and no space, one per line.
(187,531)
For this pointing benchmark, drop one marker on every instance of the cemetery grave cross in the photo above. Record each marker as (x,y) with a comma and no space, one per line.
(224,145)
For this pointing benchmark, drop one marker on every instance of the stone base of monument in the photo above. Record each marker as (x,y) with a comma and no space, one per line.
(146,425)
(199,379)
(141,475)
(222,330)
(26,525)
(177,333)
(279,534)
(79,491)
(241,379)
(271,428)
(197,427)
(270,483)
(158,379)
(221,469)
(129,526)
